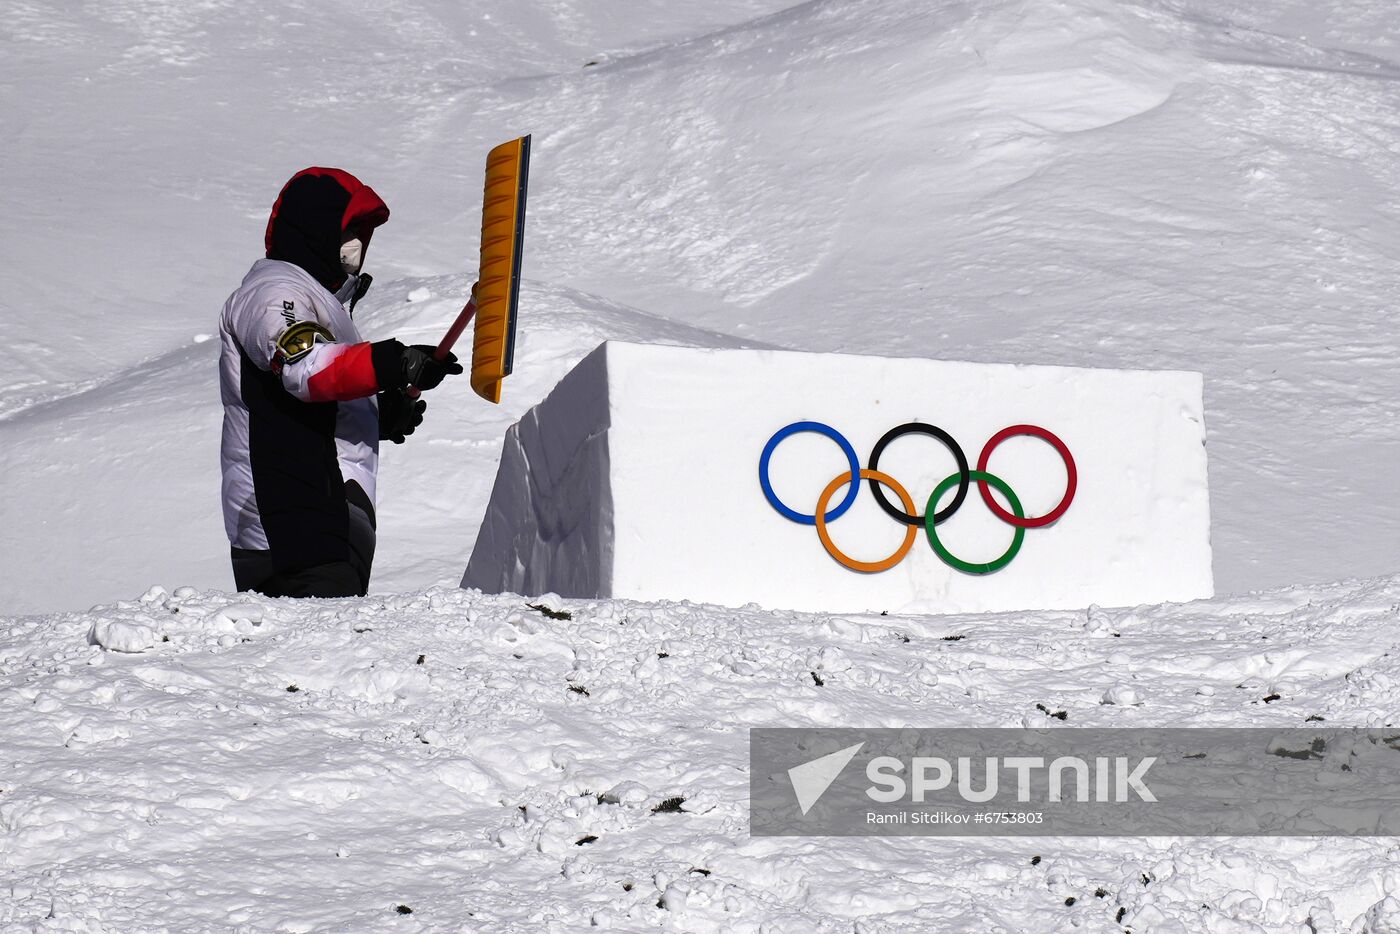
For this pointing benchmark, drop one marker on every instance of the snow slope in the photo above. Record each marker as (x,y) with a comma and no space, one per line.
(1145,183)
(1131,184)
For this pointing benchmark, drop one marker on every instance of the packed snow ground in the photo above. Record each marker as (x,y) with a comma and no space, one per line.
(213,761)
(1146,183)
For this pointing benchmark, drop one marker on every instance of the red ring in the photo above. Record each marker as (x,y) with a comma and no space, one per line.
(1072,481)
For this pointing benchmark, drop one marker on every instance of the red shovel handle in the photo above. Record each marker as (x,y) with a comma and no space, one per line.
(444,346)
(463,319)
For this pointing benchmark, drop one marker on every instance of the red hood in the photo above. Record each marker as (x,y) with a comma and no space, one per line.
(312,213)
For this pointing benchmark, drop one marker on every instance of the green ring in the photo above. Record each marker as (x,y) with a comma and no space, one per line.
(953,561)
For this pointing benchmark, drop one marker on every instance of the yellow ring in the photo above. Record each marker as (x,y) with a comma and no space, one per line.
(869,567)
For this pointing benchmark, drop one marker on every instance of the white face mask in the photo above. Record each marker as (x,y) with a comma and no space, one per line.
(352,256)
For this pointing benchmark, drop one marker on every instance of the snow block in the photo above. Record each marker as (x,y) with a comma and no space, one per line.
(639,477)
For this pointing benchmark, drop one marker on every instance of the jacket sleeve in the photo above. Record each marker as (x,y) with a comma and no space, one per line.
(312,365)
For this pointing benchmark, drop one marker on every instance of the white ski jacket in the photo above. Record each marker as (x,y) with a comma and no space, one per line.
(300,418)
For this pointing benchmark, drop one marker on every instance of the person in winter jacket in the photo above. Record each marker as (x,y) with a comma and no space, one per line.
(307,400)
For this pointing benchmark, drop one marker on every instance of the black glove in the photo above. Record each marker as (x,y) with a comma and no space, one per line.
(397,366)
(423,369)
(399,415)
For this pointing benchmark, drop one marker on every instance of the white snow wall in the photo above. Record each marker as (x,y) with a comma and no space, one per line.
(638,477)
(549,524)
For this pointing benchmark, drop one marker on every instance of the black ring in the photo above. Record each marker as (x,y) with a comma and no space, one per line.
(964,477)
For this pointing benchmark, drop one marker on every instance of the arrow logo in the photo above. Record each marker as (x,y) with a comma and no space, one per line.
(810,780)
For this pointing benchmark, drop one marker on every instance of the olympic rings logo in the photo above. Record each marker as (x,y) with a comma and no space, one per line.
(930,520)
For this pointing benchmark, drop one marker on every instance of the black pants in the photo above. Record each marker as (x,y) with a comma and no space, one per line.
(254,570)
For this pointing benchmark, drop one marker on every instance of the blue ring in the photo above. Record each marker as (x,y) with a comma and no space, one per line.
(820,429)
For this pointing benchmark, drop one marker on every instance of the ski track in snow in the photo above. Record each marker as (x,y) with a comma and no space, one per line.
(173,761)
(1146,184)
